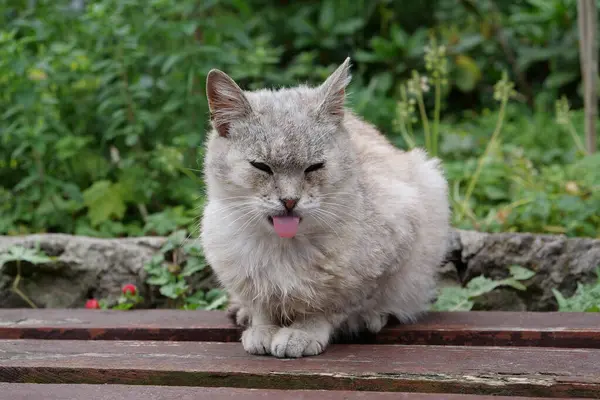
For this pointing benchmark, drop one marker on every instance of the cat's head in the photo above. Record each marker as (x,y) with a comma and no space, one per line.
(281,156)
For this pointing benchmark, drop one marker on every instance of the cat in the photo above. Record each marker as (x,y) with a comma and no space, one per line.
(315,224)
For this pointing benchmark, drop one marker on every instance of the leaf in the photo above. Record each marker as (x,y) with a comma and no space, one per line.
(167,221)
(189,27)
(123,306)
(212,294)
(562,302)
(495,193)
(558,79)
(520,273)
(349,26)
(326,16)
(399,36)
(513,283)
(453,298)
(19,253)
(196,297)
(468,73)
(159,280)
(481,285)
(218,299)
(585,299)
(174,290)
(193,250)
(468,42)
(193,265)
(530,55)
(104,200)
(365,56)
(170,62)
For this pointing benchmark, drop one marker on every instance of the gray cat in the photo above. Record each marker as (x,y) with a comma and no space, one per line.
(315,223)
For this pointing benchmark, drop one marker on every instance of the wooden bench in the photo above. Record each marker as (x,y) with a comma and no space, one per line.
(167,354)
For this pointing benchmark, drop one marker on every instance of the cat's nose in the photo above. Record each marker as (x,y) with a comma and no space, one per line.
(289,204)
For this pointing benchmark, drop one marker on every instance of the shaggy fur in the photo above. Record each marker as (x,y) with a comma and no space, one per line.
(374,222)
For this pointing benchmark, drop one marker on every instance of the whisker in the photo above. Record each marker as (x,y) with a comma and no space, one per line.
(324,219)
(336,216)
(254,217)
(229,208)
(242,215)
(338,205)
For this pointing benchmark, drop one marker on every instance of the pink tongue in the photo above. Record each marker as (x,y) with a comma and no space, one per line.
(286,227)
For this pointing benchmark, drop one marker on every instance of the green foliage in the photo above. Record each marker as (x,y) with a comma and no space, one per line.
(126,301)
(18,255)
(103,110)
(171,273)
(585,299)
(454,298)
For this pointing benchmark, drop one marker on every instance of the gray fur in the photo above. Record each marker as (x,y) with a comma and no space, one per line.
(374,220)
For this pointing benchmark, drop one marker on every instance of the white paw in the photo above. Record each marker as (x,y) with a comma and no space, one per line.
(240,315)
(376,322)
(257,339)
(294,343)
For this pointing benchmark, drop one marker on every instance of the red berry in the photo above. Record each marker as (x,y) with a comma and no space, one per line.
(129,288)
(92,303)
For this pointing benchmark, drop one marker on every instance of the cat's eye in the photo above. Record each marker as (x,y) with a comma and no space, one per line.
(262,166)
(314,167)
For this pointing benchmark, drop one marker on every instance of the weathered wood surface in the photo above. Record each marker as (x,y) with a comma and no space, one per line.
(526,371)
(552,329)
(19,391)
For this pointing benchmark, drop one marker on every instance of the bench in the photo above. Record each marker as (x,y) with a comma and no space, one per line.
(171,354)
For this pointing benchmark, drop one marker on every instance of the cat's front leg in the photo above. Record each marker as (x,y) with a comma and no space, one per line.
(238,313)
(257,338)
(305,337)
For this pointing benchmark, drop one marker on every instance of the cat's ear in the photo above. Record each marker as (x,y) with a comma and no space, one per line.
(226,101)
(333,92)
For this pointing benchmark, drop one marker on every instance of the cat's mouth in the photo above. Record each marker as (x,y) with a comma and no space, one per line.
(286,225)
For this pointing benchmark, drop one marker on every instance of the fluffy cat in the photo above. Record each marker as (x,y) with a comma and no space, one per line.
(315,223)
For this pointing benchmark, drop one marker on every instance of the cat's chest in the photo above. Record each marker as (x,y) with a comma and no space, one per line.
(290,255)
(271,270)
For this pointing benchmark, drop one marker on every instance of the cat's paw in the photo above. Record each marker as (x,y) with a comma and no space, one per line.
(257,339)
(375,322)
(239,315)
(294,343)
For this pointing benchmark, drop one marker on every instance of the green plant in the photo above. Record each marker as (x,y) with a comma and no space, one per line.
(563,118)
(103,110)
(171,270)
(18,255)
(585,299)
(129,298)
(454,298)
(412,92)
(503,91)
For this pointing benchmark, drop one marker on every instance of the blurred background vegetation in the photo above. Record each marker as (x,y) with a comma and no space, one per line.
(103,112)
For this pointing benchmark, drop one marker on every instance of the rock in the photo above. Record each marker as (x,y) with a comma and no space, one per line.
(85,267)
(559,262)
(500,299)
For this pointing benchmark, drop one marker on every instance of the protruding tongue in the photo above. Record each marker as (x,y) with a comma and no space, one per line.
(286,227)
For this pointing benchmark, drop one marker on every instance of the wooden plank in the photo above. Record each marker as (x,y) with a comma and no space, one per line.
(486,328)
(82,324)
(525,371)
(30,391)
